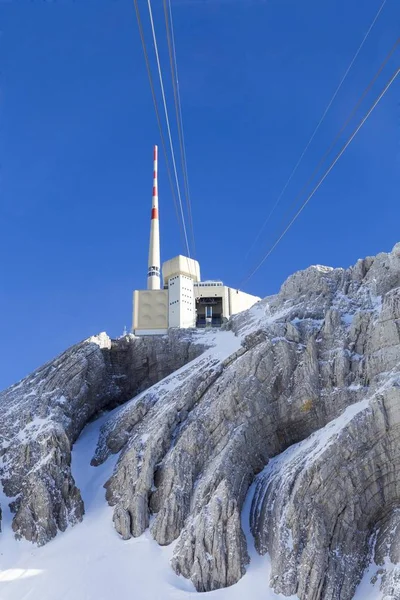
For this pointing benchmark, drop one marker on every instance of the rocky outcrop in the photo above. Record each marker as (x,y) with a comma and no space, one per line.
(316,504)
(299,392)
(43,415)
(385,545)
(322,344)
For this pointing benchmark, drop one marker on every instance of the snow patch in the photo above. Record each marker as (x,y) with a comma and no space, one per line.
(90,560)
(102,340)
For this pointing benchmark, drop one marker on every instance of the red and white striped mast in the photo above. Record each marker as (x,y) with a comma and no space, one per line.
(154,264)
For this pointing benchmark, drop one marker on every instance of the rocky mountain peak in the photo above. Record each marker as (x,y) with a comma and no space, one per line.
(296,399)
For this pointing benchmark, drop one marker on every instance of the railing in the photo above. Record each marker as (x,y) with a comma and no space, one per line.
(203,322)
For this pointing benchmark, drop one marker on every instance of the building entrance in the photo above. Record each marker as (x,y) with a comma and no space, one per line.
(209,312)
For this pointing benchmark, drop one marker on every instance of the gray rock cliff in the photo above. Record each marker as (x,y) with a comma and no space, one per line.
(42,416)
(300,395)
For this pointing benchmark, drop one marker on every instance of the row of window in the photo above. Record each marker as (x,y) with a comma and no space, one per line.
(181,276)
(205,284)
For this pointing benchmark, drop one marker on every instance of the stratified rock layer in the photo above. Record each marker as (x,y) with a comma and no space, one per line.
(300,392)
(190,452)
(43,415)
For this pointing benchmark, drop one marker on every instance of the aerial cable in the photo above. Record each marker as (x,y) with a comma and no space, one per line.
(315,130)
(347,121)
(168,125)
(178,109)
(353,135)
(163,144)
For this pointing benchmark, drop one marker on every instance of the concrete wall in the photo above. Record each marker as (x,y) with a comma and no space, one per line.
(150,311)
(208,291)
(181,265)
(181,309)
(239,301)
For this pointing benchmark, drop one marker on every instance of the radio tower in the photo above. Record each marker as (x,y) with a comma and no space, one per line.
(154,264)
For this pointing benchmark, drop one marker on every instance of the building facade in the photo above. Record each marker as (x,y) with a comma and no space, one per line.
(186,301)
(183,301)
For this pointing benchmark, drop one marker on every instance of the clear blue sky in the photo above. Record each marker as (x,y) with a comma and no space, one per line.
(77,130)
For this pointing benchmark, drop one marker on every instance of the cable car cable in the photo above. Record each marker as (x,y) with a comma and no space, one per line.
(178,110)
(315,131)
(163,143)
(325,174)
(341,130)
(168,124)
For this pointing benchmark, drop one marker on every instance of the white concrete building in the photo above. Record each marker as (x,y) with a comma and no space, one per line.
(179,276)
(185,301)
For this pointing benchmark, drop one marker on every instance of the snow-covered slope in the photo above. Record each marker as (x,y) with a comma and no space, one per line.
(89,561)
(287,421)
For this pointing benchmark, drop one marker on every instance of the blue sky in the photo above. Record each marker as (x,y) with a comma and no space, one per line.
(76,135)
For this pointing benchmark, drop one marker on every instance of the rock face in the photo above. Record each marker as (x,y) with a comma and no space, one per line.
(43,415)
(386,554)
(300,394)
(327,494)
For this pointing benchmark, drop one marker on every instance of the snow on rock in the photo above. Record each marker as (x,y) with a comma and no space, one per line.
(89,561)
(43,415)
(326,492)
(309,376)
(381,579)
